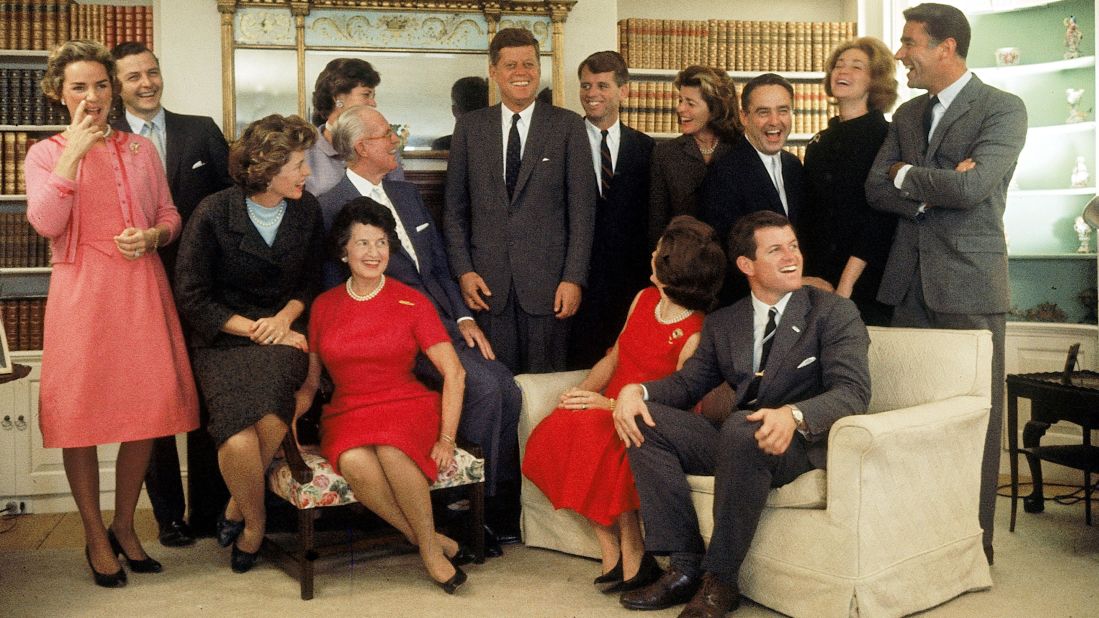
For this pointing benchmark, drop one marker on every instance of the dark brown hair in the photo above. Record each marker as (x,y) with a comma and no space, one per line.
(340,76)
(511,37)
(719,93)
(367,212)
(131,48)
(689,263)
(766,79)
(742,238)
(78,50)
(607,62)
(266,146)
(942,22)
(882,68)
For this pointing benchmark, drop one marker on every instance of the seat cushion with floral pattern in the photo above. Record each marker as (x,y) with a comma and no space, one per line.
(330,489)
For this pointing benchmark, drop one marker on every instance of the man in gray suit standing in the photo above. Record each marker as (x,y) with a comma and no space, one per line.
(520,212)
(797,358)
(944,170)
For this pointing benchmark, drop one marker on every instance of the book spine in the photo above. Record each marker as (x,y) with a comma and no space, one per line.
(20,157)
(9,182)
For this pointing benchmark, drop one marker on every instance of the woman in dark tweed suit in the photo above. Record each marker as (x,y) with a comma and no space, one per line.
(248,266)
(709,119)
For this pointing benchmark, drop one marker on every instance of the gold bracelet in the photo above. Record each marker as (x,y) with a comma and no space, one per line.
(446,438)
(156,238)
(613,403)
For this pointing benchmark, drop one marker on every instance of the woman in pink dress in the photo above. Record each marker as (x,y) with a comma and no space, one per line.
(114,364)
(384,431)
(574,455)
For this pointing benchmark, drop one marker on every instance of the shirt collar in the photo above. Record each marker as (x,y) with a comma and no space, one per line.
(760,308)
(364,186)
(613,131)
(524,116)
(137,123)
(948,94)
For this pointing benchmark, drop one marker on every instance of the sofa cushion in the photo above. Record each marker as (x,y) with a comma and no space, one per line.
(808,491)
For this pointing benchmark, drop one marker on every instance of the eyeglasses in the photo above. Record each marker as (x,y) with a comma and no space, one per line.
(388,134)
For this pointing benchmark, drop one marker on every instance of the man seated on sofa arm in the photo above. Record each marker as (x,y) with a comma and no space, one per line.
(797,358)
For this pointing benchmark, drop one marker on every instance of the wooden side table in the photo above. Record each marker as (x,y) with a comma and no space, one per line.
(1052,401)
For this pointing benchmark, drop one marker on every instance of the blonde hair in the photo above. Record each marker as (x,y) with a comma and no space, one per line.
(883,71)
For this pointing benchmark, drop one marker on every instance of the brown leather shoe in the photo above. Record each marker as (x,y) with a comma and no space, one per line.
(713,600)
(671,589)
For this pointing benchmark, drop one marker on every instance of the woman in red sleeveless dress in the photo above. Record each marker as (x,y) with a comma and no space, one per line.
(574,455)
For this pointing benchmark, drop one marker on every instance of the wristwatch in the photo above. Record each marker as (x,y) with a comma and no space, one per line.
(799,418)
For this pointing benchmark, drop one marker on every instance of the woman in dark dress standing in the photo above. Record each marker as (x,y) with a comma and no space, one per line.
(248,267)
(843,240)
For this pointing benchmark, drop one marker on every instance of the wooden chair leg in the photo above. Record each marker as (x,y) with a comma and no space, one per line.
(477,521)
(307,552)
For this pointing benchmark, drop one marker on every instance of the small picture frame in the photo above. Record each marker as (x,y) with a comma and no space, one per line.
(5,356)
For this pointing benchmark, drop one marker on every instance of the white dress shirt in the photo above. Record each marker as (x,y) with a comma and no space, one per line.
(759,324)
(595,138)
(505,126)
(946,97)
(377,193)
(773,163)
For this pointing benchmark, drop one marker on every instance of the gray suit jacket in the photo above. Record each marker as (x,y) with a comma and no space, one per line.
(958,242)
(543,235)
(818,362)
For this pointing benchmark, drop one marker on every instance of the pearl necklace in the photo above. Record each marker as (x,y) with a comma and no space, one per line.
(363,298)
(707,151)
(266,217)
(682,315)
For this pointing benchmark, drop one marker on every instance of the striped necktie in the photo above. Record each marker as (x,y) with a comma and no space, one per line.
(606,166)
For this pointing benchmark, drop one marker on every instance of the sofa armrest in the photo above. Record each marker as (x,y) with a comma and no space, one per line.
(540,396)
(907,473)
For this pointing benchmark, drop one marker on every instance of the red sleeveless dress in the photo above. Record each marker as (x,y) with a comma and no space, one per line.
(575,456)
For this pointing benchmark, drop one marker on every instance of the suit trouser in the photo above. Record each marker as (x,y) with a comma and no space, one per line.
(490,411)
(913,312)
(684,443)
(525,343)
(163,481)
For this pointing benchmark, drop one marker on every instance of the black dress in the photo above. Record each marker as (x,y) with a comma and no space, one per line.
(225,268)
(836,222)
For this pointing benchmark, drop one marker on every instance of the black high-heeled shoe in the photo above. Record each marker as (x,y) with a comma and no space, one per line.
(612,576)
(464,555)
(227,529)
(648,572)
(242,561)
(106,580)
(452,584)
(148,565)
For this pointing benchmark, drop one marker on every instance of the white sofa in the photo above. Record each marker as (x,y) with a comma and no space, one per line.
(890,529)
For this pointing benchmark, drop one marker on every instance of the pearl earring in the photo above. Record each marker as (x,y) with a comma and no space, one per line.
(344,259)
(339,103)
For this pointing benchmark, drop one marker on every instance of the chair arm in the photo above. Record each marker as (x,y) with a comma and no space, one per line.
(540,397)
(911,468)
(301,472)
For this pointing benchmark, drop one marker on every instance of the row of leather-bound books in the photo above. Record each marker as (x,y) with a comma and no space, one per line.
(733,45)
(22,102)
(20,245)
(43,24)
(650,107)
(23,322)
(12,154)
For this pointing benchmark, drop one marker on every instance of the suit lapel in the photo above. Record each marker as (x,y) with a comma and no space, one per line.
(787,334)
(540,122)
(250,240)
(763,178)
(407,218)
(494,129)
(742,339)
(792,183)
(958,108)
(174,135)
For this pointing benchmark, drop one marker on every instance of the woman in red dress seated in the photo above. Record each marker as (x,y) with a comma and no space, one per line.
(574,455)
(383,430)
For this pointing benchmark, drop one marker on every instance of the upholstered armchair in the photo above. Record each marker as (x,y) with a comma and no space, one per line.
(891,527)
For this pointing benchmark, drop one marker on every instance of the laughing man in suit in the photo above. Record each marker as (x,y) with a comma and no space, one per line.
(196,160)
(619,251)
(490,408)
(520,211)
(944,170)
(797,358)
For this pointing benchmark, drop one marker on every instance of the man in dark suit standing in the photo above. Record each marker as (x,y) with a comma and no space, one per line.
(619,252)
(797,358)
(196,160)
(757,174)
(944,170)
(490,408)
(519,216)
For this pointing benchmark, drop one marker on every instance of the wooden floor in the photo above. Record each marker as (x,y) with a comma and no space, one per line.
(61,530)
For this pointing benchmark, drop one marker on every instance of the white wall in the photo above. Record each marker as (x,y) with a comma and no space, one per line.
(187,39)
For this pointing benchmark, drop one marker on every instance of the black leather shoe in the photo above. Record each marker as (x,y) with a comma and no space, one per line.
(713,600)
(648,572)
(227,529)
(671,589)
(613,576)
(452,584)
(148,565)
(492,544)
(242,561)
(176,534)
(464,555)
(109,580)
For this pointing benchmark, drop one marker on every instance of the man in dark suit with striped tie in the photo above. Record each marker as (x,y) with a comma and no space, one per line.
(619,252)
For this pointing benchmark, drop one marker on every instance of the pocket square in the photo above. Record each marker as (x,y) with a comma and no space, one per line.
(422,227)
(198,164)
(544,159)
(807,362)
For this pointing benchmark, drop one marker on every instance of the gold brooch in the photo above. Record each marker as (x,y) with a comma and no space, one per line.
(134,147)
(407,302)
(676,334)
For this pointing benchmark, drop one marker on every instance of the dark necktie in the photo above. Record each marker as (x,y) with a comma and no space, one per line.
(928,116)
(768,338)
(515,156)
(606,167)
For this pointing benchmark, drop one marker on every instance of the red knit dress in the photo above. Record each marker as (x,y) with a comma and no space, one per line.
(574,456)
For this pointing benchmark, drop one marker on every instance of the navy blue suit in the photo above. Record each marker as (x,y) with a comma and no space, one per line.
(490,409)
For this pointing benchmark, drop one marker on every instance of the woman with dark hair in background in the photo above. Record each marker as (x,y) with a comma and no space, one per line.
(248,266)
(709,119)
(574,455)
(114,365)
(844,241)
